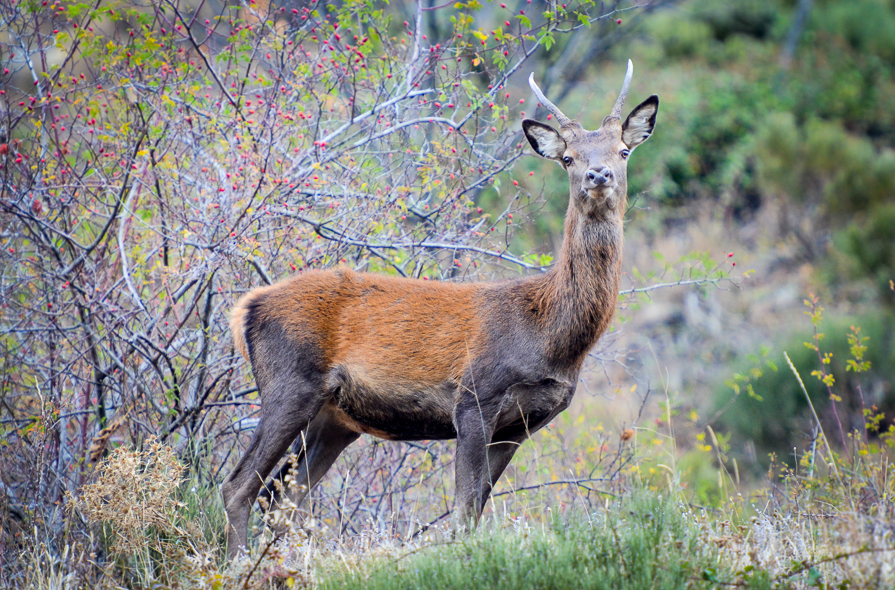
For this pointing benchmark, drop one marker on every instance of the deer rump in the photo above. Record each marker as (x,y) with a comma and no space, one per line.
(394,357)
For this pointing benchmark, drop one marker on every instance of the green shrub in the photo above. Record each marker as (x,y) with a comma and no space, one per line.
(713,122)
(681,37)
(871,246)
(777,418)
(820,163)
(867,25)
(835,82)
(752,18)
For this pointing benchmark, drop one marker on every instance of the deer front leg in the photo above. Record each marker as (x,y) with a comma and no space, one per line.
(526,408)
(500,453)
(474,420)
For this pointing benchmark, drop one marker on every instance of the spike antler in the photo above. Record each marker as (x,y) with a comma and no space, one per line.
(620,101)
(560,117)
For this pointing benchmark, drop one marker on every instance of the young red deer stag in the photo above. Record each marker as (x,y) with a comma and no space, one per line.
(337,353)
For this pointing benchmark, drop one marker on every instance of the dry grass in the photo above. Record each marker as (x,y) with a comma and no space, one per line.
(135,492)
(842,549)
(796,536)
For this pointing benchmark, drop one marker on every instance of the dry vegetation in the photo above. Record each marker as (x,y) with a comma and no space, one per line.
(828,522)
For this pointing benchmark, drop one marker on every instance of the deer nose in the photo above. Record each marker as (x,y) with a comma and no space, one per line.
(598,177)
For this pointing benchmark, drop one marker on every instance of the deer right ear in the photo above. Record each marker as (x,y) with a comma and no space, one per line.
(544,139)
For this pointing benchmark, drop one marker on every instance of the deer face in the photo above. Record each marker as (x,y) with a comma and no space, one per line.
(596,161)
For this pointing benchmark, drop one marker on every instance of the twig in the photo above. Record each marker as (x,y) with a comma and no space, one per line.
(260,557)
(578,482)
(816,419)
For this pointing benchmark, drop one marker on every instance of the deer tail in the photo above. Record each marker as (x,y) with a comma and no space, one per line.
(237,323)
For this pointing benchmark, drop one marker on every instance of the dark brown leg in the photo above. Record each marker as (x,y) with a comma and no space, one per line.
(283,416)
(475,422)
(500,453)
(316,451)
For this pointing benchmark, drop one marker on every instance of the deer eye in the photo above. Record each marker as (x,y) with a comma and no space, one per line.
(567,160)
(624,154)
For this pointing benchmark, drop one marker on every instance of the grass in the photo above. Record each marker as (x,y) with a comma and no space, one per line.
(642,540)
(805,530)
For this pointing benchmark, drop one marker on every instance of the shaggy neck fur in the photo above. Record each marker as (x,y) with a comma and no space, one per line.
(574,302)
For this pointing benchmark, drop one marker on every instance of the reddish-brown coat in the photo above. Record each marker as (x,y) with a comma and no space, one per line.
(374,323)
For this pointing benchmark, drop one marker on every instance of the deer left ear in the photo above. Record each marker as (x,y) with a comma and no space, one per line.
(640,123)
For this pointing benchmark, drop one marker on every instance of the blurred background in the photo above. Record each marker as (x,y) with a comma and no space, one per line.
(775,147)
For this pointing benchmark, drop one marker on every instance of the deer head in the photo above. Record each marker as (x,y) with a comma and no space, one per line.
(596,161)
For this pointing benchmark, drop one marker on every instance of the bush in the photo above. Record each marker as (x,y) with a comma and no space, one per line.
(681,38)
(867,25)
(870,245)
(159,160)
(834,178)
(752,18)
(777,417)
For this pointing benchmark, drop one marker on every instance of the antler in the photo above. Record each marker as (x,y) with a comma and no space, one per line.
(563,120)
(620,101)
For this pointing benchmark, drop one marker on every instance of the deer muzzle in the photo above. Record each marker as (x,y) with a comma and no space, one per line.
(598,178)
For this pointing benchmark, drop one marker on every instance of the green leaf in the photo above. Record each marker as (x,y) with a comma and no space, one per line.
(815,578)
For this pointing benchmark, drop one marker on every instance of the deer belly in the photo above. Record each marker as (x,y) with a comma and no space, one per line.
(393,411)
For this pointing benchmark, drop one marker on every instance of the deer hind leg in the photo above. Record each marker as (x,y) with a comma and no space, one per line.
(280,424)
(316,449)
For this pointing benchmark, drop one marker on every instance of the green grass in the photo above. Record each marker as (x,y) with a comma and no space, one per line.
(641,541)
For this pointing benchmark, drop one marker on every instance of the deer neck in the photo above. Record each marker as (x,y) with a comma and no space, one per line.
(578,295)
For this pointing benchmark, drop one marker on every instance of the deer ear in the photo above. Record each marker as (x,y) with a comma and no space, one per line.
(544,139)
(640,123)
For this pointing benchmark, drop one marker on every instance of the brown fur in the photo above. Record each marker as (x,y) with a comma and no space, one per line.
(237,326)
(361,318)
(338,353)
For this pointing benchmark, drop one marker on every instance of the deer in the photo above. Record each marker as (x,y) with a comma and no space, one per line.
(338,353)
